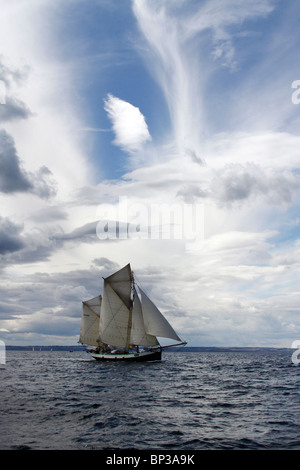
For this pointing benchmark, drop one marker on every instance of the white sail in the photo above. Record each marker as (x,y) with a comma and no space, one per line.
(138,332)
(89,330)
(121,284)
(155,323)
(114,318)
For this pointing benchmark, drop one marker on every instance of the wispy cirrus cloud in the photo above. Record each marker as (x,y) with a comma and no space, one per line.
(185,43)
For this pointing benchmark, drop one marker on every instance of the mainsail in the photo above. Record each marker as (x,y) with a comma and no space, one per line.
(114,319)
(116,310)
(120,318)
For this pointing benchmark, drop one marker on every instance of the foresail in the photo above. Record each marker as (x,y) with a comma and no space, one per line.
(139,335)
(114,319)
(89,329)
(155,323)
(121,284)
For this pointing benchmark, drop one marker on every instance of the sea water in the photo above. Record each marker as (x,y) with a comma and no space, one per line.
(202,400)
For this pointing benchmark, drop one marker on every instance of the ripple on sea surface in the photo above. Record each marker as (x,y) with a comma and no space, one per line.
(58,400)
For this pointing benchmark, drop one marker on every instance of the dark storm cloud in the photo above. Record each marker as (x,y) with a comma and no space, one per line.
(13,178)
(17,246)
(14,109)
(10,238)
(20,247)
(55,297)
(37,247)
(10,307)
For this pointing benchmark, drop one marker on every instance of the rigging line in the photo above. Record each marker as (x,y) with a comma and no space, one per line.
(138,282)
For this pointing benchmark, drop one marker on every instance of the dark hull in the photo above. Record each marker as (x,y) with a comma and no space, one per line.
(133,357)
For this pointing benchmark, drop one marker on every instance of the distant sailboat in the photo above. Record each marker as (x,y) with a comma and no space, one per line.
(120,325)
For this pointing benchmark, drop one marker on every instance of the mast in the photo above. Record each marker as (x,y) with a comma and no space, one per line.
(129,325)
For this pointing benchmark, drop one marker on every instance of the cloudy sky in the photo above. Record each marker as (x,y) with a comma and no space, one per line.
(186,102)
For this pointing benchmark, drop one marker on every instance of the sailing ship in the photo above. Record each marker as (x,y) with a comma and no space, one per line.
(123,324)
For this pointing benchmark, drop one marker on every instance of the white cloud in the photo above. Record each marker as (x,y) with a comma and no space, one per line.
(128,123)
(241,287)
(236,183)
